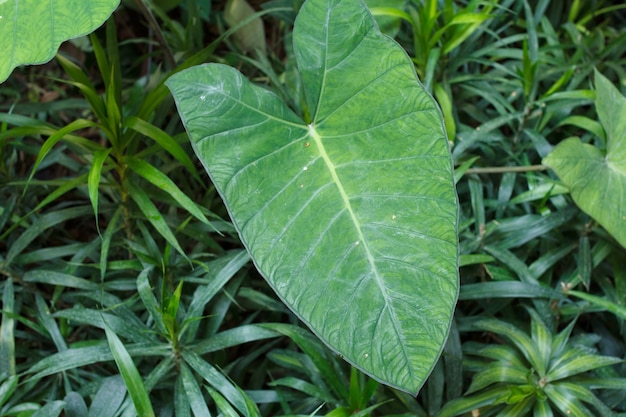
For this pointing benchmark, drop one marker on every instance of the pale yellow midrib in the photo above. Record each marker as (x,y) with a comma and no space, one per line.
(346,201)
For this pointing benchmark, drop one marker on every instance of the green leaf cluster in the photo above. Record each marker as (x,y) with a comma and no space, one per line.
(127,289)
(540,374)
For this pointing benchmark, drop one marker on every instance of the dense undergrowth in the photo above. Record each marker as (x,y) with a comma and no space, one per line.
(117,256)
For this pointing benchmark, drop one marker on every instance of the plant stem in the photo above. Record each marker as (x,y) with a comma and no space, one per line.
(154,25)
(503,170)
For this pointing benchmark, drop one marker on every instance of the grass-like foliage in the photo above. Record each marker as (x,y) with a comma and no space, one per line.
(126,289)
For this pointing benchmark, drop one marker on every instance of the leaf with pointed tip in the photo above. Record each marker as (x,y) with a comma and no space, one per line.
(597,181)
(351,216)
(32,30)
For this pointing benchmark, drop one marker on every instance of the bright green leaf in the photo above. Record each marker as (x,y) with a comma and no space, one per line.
(520,339)
(31,30)
(389,14)
(580,363)
(164,140)
(350,216)
(7,388)
(7,336)
(93,181)
(597,180)
(153,215)
(566,401)
(129,372)
(603,303)
(503,373)
(466,404)
(162,181)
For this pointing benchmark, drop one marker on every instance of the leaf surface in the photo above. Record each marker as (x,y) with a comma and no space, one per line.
(32,30)
(349,212)
(597,179)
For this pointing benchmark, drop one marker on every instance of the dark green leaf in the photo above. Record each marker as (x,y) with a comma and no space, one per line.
(52,409)
(108,398)
(7,334)
(75,405)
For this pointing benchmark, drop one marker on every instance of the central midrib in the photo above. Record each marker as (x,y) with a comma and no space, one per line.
(346,201)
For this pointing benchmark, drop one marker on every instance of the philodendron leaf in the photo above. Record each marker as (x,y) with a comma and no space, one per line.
(351,216)
(32,30)
(597,180)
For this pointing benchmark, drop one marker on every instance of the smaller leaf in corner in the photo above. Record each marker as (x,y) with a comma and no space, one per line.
(597,179)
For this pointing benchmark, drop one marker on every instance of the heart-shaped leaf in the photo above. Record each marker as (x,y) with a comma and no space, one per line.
(32,30)
(351,216)
(597,179)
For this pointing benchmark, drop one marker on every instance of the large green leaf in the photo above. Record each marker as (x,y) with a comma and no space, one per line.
(597,179)
(32,30)
(351,213)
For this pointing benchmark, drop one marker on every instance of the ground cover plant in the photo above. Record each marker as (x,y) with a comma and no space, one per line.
(126,289)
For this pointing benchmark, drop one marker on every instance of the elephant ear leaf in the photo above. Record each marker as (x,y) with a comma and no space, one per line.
(32,30)
(597,178)
(350,213)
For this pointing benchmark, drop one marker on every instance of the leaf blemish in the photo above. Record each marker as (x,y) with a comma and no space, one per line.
(306,145)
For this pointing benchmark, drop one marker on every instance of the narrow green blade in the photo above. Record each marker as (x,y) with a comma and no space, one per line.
(131,375)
